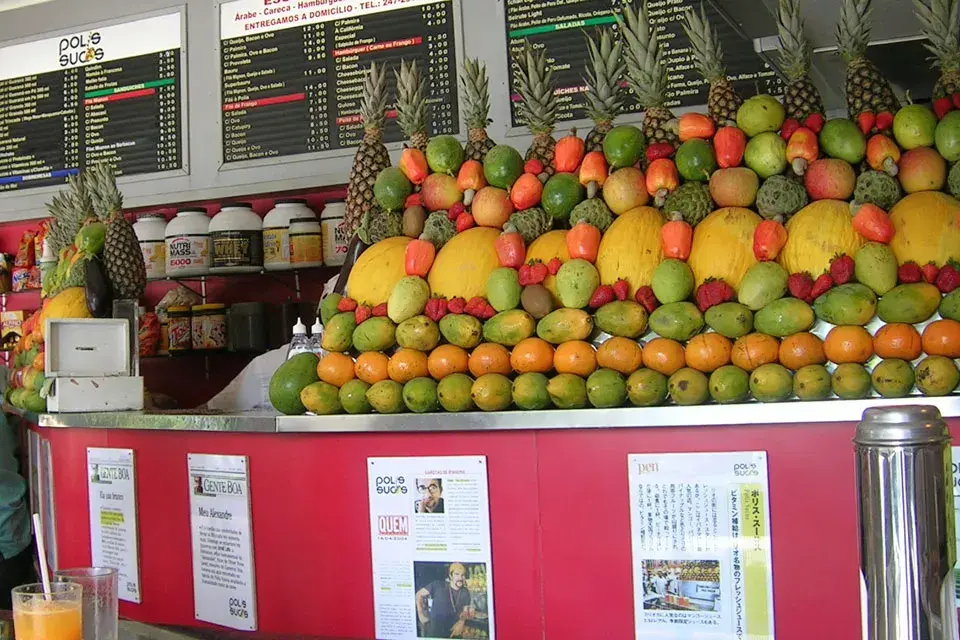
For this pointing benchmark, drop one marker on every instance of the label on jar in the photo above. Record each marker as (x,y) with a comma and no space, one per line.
(209,331)
(276,246)
(155,258)
(188,251)
(335,241)
(237,248)
(178,333)
(306,248)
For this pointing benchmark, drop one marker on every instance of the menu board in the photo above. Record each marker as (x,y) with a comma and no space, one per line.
(109,94)
(560,26)
(292,70)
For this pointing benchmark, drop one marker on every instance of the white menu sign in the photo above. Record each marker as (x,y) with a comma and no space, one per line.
(700,532)
(430,531)
(111,481)
(224,591)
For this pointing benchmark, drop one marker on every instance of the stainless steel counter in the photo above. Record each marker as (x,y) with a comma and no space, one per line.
(666,416)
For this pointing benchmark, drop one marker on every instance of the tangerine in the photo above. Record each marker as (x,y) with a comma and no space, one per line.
(754,350)
(489,357)
(801,349)
(532,355)
(576,357)
(407,364)
(942,338)
(707,352)
(848,343)
(447,359)
(664,355)
(371,367)
(336,369)
(898,340)
(620,354)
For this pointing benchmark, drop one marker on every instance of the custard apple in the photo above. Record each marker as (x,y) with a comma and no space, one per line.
(691,200)
(377,225)
(438,229)
(879,188)
(593,211)
(531,223)
(780,196)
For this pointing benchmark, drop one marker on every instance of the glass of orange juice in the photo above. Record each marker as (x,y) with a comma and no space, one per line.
(37,616)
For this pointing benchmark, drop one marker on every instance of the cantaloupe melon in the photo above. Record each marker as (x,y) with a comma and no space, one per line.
(377,270)
(552,244)
(631,248)
(723,245)
(816,234)
(463,264)
(927,228)
(69,303)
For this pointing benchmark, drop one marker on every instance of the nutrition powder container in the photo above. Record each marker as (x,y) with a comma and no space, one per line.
(335,240)
(276,231)
(306,247)
(188,243)
(150,229)
(236,234)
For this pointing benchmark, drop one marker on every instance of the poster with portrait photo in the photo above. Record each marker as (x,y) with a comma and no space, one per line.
(430,535)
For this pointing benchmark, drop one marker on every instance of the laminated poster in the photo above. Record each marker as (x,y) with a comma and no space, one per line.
(430,532)
(955,465)
(113,517)
(700,531)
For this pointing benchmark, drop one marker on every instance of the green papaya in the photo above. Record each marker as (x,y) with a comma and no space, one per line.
(909,303)
(328,308)
(677,321)
(565,325)
(730,319)
(950,305)
(876,267)
(784,317)
(338,332)
(851,303)
(461,330)
(375,334)
(624,318)
(509,328)
(419,332)
(763,283)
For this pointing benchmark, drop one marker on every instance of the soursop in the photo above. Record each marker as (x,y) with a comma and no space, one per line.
(593,211)
(531,223)
(780,196)
(438,229)
(691,200)
(377,225)
(953,180)
(879,188)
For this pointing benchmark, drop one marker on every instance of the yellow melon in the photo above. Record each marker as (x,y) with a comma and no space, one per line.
(552,244)
(377,270)
(463,264)
(69,303)
(723,245)
(927,228)
(631,248)
(816,234)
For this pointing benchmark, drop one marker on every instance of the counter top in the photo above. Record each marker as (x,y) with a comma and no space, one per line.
(665,416)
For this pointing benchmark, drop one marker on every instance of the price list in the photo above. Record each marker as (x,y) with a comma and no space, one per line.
(107,95)
(560,26)
(292,72)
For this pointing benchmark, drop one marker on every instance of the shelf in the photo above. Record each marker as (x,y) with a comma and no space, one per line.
(194,354)
(20,293)
(239,274)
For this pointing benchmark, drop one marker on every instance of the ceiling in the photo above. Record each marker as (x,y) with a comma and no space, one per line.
(6,5)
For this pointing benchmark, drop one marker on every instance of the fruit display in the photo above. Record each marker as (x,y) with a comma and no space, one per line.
(756,252)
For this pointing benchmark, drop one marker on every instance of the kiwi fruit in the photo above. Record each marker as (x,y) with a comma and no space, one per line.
(413,220)
(536,300)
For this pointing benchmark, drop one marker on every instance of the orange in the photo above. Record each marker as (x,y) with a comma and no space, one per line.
(532,355)
(371,367)
(577,357)
(708,352)
(801,349)
(754,350)
(336,369)
(664,355)
(848,344)
(407,364)
(489,357)
(942,338)
(620,354)
(898,340)
(447,359)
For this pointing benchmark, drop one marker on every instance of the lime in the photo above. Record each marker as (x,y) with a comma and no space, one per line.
(914,126)
(502,166)
(392,189)
(444,154)
(623,146)
(561,194)
(695,160)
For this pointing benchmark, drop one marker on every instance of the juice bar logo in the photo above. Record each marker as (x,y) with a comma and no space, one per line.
(104,474)
(388,485)
(213,487)
(80,49)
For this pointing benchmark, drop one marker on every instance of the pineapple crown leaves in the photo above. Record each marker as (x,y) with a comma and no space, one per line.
(538,100)
(476,91)
(411,101)
(646,73)
(107,199)
(705,41)
(853,28)
(604,94)
(373,105)
(940,23)
(795,49)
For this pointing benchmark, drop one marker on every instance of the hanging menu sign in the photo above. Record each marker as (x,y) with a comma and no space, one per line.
(110,94)
(560,26)
(292,70)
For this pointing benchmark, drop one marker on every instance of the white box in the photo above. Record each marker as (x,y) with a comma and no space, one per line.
(85,394)
(79,348)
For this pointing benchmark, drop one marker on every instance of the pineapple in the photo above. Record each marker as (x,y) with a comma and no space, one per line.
(604,95)
(372,156)
(70,210)
(122,257)
(801,97)
(476,110)
(723,100)
(412,104)
(940,21)
(538,103)
(867,89)
(646,73)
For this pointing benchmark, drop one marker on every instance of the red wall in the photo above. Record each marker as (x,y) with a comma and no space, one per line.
(559,518)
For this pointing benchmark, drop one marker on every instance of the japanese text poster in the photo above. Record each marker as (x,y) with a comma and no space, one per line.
(430,532)
(113,517)
(700,531)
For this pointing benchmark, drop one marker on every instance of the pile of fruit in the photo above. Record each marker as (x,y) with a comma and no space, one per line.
(758,250)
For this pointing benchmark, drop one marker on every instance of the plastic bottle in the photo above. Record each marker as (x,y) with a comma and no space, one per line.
(300,342)
(316,338)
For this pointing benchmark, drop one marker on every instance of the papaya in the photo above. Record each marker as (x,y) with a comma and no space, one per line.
(729,384)
(893,378)
(876,267)
(771,383)
(509,328)
(730,319)
(937,376)
(909,303)
(461,330)
(353,396)
(784,317)
(565,325)
(606,389)
(321,399)
(850,303)
(763,283)
(851,381)
(376,271)
(568,391)
(374,334)
(290,378)
(950,305)
(453,393)
(386,396)
(646,388)
(492,392)
(530,391)
(420,395)
(677,321)
(622,318)
(328,308)
(338,334)
(688,387)
(419,332)
(812,382)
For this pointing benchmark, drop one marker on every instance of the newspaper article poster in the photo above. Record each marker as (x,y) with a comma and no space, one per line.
(955,464)
(430,533)
(700,532)
(111,484)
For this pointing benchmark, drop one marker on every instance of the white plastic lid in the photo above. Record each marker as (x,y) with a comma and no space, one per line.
(317,328)
(299,329)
